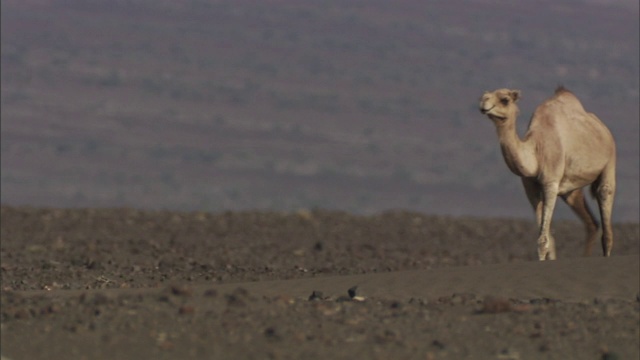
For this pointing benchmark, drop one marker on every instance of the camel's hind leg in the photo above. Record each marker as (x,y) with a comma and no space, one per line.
(578,204)
(546,242)
(604,190)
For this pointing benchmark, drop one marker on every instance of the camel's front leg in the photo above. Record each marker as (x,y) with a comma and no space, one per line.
(534,193)
(546,243)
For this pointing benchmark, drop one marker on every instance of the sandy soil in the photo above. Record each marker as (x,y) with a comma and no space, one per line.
(129,284)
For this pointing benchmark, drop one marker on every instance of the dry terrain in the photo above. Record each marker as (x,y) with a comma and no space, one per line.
(131,284)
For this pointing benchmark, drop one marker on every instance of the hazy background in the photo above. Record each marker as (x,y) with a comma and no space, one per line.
(362,106)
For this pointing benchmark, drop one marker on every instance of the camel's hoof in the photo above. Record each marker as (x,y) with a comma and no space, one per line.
(543,254)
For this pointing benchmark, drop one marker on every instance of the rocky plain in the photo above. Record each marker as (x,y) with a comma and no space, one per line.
(314,284)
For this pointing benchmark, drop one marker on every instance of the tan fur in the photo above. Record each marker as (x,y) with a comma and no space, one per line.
(565,149)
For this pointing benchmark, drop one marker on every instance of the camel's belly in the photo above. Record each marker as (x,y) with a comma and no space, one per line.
(580,171)
(570,183)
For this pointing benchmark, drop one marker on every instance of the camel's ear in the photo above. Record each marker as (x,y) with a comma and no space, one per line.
(515,95)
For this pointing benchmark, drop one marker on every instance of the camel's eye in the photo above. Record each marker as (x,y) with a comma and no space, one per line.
(504,101)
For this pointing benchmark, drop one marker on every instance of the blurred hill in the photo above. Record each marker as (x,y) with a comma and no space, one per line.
(354,105)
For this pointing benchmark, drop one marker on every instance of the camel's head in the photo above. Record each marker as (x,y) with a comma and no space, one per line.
(500,104)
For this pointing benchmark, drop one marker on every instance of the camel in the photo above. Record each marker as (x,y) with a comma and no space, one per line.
(564,149)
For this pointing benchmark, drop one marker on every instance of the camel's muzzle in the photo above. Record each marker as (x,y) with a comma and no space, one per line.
(484,111)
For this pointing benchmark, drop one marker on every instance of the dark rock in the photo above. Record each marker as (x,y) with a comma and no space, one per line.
(542,301)
(607,355)
(186,310)
(495,305)
(352,291)
(316,295)
(181,290)
(234,300)
(211,293)
(271,334)
(395,305)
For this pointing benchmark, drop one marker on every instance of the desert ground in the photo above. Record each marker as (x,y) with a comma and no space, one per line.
(311,284)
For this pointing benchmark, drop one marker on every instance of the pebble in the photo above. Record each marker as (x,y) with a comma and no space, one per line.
(495,305)
(211,293)
(316,295)
(438,344)
(353,294)
(181,290)
(271,334)
(462,298)
(234,300)
(509,354)
(610,356)
(186,310)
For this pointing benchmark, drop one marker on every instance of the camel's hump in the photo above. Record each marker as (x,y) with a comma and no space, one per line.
(563,97)
(561,89)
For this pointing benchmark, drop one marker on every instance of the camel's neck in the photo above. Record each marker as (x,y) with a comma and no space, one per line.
(519,155)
